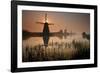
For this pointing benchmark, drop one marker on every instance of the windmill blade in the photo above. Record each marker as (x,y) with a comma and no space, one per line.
(50,24)
(39,22)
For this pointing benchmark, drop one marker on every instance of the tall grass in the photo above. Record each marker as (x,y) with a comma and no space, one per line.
(57,51)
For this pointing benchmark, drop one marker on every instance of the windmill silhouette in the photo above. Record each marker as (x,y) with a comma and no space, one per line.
(46,34)
(46,31)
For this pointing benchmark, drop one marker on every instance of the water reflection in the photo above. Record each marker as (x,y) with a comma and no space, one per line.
(71,48)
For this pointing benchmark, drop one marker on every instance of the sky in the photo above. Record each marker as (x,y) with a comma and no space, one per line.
(75,22)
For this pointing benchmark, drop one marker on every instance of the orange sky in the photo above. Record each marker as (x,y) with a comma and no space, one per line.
(75,22)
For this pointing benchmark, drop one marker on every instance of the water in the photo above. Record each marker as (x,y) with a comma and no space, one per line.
(58,49)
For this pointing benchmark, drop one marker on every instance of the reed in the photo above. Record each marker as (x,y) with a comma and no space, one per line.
(57,51)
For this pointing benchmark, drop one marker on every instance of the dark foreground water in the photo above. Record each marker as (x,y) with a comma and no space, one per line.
(73,50)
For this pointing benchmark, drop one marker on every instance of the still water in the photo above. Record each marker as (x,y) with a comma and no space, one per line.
(72,47)
(39,40)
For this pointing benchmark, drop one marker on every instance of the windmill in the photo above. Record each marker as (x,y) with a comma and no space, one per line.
(46,34)
(46,31)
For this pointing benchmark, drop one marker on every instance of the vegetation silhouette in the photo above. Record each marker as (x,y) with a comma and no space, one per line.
(57,51)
